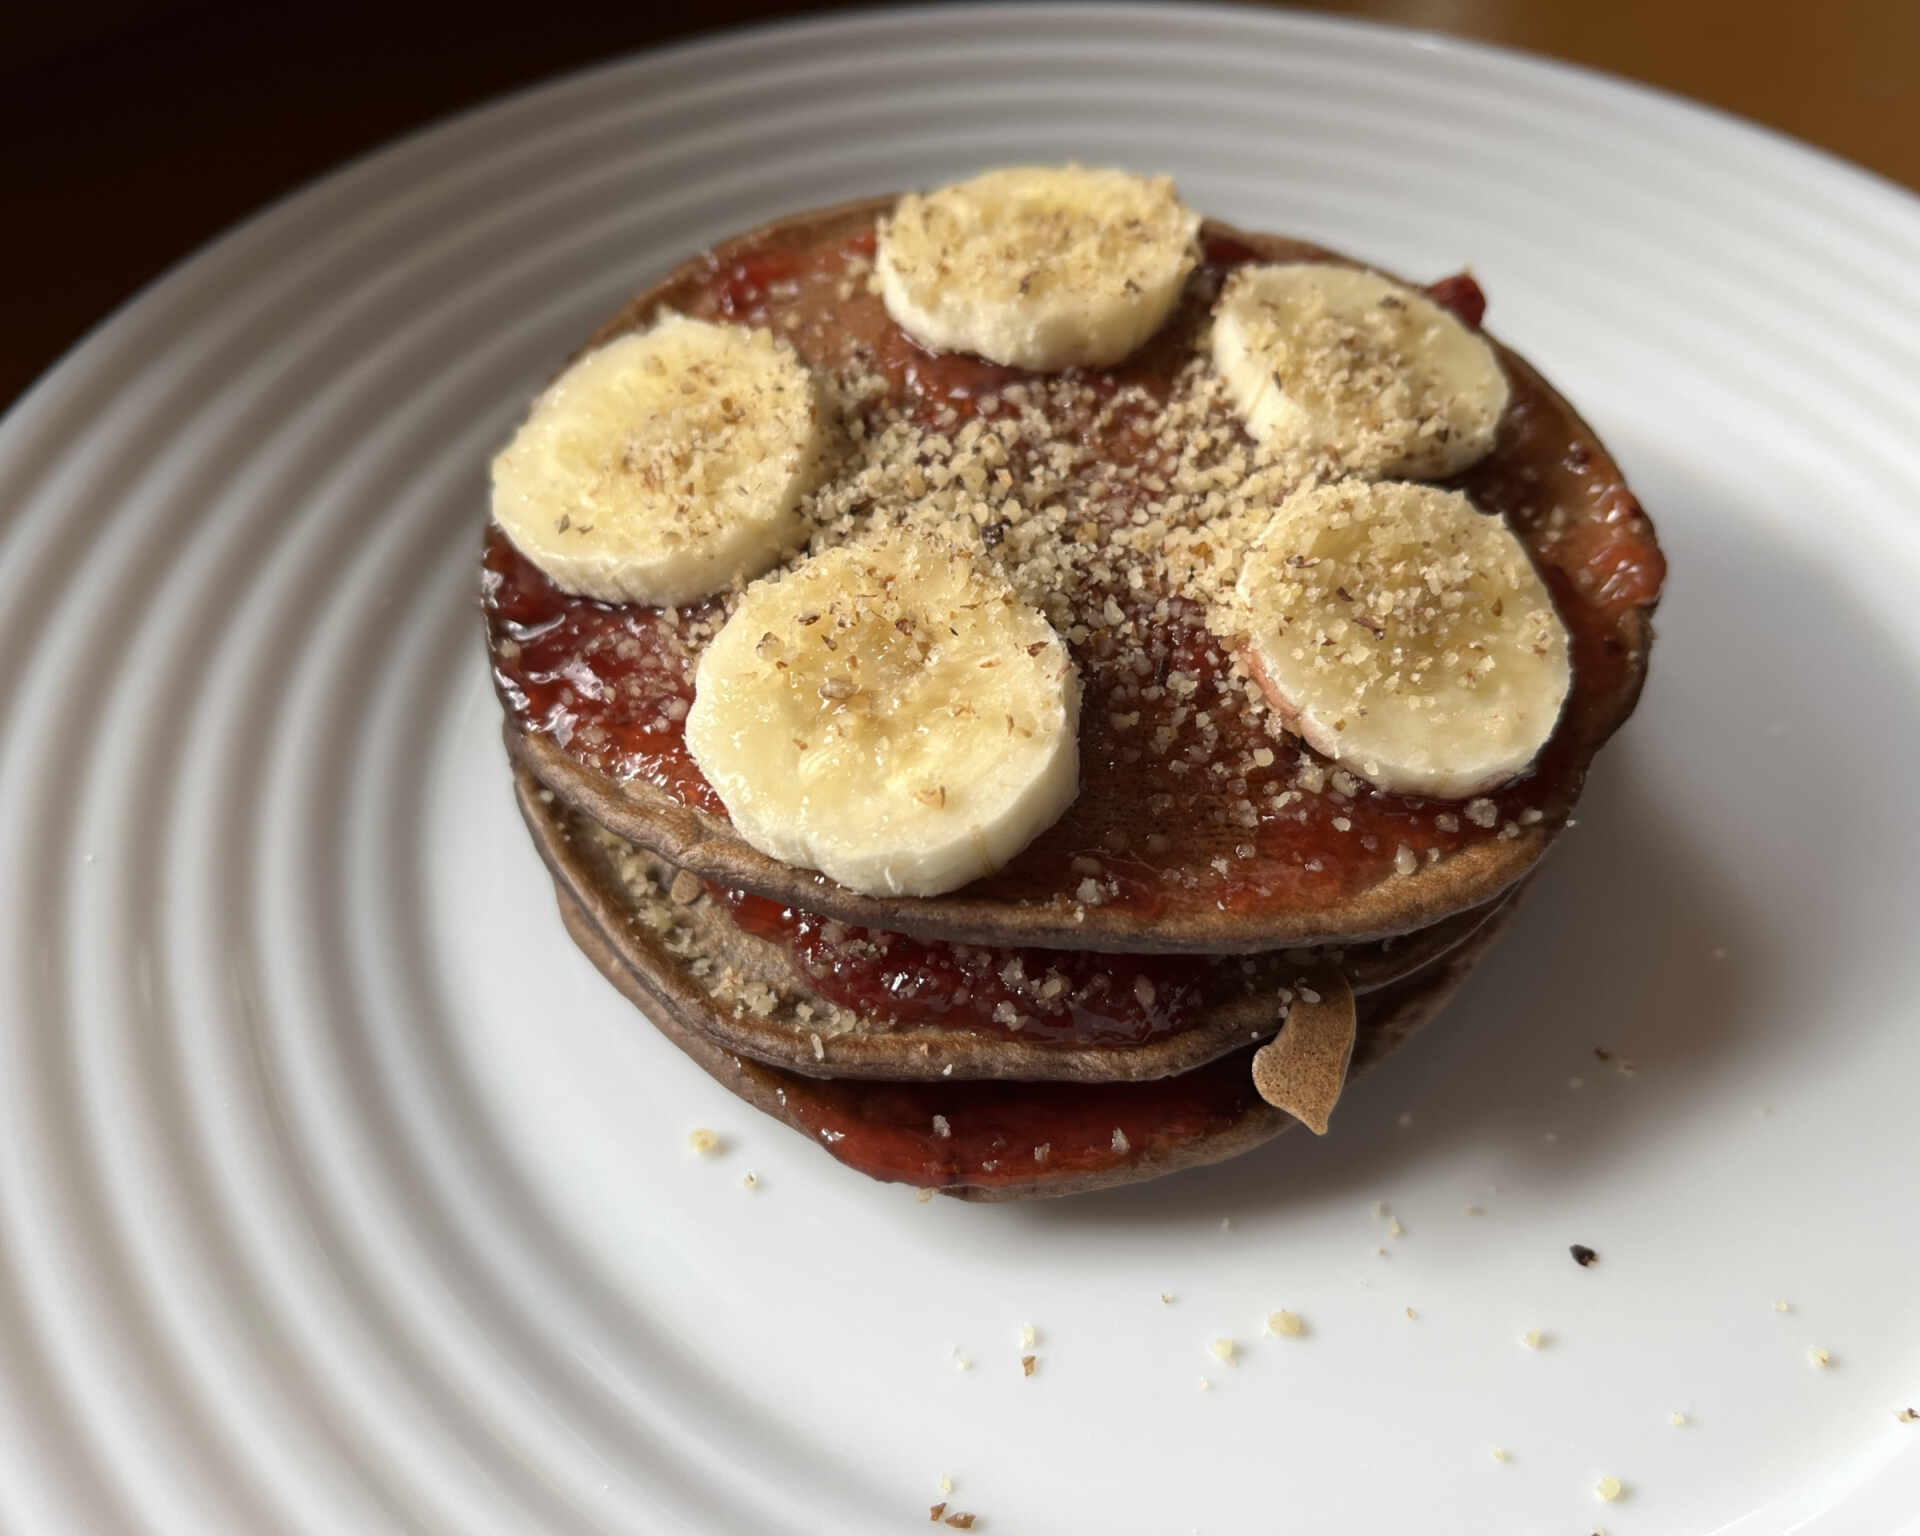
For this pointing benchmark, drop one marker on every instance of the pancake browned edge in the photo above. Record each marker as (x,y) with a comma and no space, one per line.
(753,1002)
(708,845)
(596,908)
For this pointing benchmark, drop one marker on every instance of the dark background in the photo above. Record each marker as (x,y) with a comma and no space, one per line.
(131,131)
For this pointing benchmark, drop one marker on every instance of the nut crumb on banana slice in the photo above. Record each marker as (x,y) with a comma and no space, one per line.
(1324,357)
(1405,635)
(1039,267)
(891,714)
(667,464)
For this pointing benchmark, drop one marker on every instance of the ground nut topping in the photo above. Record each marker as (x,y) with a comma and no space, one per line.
(1118,502)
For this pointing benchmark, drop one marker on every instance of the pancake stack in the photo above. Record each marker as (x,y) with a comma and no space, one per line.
(1305,605)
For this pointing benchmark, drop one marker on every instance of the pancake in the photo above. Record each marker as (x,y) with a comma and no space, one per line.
(746,993)
(987,1140)
(1244,854)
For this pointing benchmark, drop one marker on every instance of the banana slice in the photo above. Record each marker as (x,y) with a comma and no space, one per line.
(666,465)
(1038,268)
(1325,359)
(891,715)
(1405,635)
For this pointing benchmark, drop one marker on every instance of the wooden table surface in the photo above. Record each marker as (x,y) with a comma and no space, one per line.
(131,131)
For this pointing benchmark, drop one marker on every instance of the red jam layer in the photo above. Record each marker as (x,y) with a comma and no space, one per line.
(1047,996)
(612,685)
(1005,1133)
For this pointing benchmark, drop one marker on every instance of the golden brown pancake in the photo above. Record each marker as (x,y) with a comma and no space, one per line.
(1224,870)
(755,1001)
(1211,859)
(978,1140)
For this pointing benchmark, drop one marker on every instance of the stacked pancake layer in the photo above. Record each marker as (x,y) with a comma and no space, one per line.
(1081,1010)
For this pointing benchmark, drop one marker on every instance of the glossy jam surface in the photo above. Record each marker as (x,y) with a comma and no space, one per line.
(1182,828)
(610,684)
(1046,996)
(992,1134)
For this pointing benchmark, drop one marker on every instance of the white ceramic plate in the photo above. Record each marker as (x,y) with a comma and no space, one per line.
(340,1195)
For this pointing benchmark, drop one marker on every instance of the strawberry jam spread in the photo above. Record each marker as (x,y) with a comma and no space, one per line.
(992,1134)
(1044,996)
(996,1134)
(1184,805)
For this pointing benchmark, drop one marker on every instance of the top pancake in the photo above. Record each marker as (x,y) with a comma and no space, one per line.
(1200,824)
